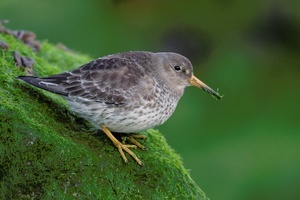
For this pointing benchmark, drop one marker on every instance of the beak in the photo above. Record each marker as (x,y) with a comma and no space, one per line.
(196,82)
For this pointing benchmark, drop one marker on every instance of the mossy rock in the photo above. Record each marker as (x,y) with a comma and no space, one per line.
(46,151)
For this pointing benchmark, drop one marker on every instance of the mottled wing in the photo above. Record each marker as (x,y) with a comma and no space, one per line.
(112,80)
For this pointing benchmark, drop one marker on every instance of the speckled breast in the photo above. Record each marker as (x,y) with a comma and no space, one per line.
(135,117)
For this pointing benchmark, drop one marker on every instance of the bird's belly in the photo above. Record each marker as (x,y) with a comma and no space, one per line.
(136,120)
(124,119)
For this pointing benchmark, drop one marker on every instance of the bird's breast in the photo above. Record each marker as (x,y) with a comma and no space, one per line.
(139,115)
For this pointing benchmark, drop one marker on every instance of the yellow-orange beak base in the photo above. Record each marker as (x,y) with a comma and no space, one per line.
(196,82)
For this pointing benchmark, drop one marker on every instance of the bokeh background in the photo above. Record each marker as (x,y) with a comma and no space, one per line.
(245,146)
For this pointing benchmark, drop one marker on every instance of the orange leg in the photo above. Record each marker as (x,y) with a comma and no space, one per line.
(121,146)
(133,140)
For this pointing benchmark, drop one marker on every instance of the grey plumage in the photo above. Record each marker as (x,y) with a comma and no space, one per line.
(126,92)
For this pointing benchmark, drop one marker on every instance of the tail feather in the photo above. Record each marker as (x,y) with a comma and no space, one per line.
(51,83)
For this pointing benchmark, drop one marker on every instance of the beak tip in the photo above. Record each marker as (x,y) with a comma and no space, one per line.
(196,82)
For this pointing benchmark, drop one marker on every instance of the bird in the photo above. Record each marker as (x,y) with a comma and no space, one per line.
(126,92)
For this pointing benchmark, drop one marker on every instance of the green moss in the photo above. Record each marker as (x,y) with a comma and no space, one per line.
(48,152)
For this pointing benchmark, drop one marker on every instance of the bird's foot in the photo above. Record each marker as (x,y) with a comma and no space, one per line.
(122,147)
(132,139)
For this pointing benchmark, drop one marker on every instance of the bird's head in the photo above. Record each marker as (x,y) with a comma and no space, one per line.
(177,70)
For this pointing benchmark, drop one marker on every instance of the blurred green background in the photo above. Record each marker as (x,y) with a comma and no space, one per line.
(245,146)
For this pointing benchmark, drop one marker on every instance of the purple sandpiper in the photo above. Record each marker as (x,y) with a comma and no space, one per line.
(125,92)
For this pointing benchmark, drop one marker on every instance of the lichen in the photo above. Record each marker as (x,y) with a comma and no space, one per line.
(46,151)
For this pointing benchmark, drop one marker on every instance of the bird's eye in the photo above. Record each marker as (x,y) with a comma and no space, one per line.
(177,68)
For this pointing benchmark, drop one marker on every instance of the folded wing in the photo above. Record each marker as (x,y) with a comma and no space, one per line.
(112,80)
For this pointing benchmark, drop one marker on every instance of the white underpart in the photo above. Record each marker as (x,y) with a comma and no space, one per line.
(123,119)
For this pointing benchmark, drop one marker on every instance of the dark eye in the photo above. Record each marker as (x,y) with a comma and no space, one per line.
(177,68)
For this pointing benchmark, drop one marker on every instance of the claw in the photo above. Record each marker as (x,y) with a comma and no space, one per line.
(122,147)
(131,138)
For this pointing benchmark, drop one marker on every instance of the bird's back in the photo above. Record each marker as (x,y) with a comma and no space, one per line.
(108,79)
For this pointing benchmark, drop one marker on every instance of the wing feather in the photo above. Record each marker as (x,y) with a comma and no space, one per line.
(109,79)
